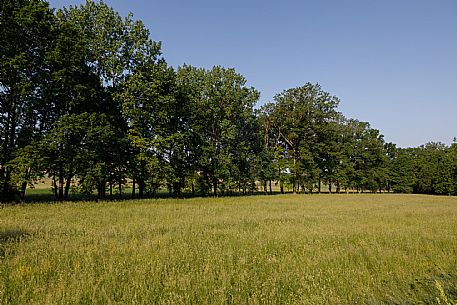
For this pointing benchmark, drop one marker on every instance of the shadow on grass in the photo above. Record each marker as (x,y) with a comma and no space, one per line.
(439,288)
(449,283)
(42,197)
(48,197)
(10,237)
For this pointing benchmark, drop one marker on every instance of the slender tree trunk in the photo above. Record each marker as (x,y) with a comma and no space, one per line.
(102,189)
(55,186)
(8,145)
(23,189)
(3,170)
(61,181)
(177,189)
(296,181)
(68,183)
(5,184)
(281,186)
(133,187)
(215,186)
(181,185)
(140,188)
(319,186)
(9,139)
(6,190)
(110,186)
(330,187)
(67,187)
(293,184)
(271,190)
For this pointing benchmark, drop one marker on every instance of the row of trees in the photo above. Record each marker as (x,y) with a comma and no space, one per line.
(86,96)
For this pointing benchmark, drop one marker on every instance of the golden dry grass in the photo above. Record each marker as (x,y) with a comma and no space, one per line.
(285,249)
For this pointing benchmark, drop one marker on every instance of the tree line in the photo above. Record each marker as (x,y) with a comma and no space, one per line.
(88,100)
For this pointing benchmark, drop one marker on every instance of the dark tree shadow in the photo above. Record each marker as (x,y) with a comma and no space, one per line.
(10,237)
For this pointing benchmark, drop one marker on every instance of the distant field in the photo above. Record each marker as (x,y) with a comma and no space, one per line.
(284,249)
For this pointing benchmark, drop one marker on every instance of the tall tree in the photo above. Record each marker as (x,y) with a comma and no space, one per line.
(25,27)
(118,51)
(301,113)
(148,102)
(221,114)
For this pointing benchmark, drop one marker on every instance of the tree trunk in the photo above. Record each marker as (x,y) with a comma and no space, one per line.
(6,190)
(67,187)
(330,187)
(23,189)
(177,189)
(102,189)
(61,181)
(271,191)
(140,188)
(182,185)
(133,187)
(296,181)
(215,186)
(55,186)
(4,186)
(9,142)
(319,186)
(110,186)
(281,186)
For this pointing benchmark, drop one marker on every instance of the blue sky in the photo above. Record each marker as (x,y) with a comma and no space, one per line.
(392,63)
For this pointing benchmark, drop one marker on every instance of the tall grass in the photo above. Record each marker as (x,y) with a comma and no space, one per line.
(288,249)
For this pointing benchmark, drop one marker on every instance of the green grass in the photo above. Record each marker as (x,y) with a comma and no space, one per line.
(285,249)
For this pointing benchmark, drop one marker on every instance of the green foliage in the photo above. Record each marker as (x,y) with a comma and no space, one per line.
(87,100)
(116,46)
(77,146)
(25,30)
(222,124)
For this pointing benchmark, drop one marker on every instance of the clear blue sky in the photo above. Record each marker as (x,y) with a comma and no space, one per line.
(392,63)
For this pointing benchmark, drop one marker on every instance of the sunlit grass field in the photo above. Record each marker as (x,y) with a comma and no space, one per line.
(282,249)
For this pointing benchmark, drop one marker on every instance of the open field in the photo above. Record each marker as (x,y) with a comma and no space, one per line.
(284,249)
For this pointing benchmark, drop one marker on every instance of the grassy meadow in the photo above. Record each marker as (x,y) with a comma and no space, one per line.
(282,249)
